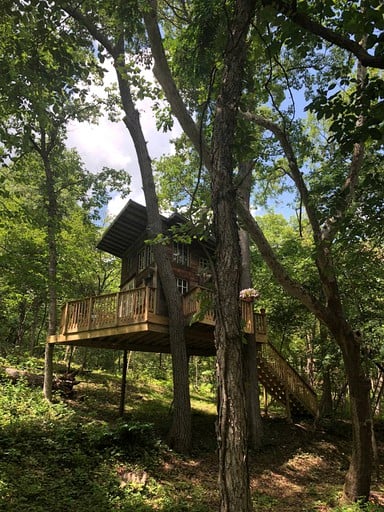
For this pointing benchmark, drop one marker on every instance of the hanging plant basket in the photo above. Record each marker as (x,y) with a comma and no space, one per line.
(249,294)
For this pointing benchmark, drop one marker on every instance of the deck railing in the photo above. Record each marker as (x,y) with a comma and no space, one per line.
(198,307)
(133,306)
(109,310)
(294,383)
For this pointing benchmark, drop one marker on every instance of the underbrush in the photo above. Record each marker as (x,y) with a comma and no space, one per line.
(77,454)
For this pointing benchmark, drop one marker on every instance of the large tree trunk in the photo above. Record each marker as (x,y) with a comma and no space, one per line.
(180,434)
(255,427)
(358,479)
(232,417)
(181,430)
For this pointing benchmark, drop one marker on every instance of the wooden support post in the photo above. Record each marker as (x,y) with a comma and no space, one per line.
(265,402)
(89,319)
(48,371)
(288,406)
(65,319)
(123,383)
(117,306)
(146,303)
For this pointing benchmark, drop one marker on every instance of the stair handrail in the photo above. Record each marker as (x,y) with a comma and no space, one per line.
(292,380)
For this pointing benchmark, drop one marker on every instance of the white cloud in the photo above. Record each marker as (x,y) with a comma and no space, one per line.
(104,144)
(117,203)
(109,144)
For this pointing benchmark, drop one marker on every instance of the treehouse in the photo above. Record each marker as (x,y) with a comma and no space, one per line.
(136,318)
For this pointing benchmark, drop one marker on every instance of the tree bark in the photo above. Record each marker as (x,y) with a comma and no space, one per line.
(255,426)
(180,435)
(358,478)
(232,418)
(48,371)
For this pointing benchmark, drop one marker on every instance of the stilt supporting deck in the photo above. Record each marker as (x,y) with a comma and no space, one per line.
(288,406)
(48,371)
(123,382)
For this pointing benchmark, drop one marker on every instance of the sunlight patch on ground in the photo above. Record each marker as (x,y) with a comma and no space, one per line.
(305,463)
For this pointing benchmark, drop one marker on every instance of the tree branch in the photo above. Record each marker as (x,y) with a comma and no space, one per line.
(321,236)
(295,172)
(291,286)
(92,28)
(163,75)
(304,21)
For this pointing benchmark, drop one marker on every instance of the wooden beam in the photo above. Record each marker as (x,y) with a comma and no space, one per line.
(123,383)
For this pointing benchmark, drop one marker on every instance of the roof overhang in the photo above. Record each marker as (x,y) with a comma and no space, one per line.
(129,225)
(126,228)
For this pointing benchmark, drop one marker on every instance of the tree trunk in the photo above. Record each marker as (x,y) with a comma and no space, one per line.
(180,435)
(358,479)
(232,429)
(181,430)
(52,216)
(255,427)
(48,371)
(326,406)
(357,484)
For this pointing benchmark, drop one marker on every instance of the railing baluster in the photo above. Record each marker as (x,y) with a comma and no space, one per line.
(64,319)
(90,306)
(117,307)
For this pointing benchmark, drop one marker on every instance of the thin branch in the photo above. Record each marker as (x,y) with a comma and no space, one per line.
(304,21)
(290,285)
(163,75)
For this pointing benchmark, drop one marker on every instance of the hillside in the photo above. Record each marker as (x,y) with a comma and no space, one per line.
(77,455)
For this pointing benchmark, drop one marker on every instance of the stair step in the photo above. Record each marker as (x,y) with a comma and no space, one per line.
(270,368)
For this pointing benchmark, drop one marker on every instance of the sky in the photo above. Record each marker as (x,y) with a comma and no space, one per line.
(109,144)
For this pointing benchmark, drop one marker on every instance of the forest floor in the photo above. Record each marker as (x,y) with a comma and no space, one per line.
(77,455)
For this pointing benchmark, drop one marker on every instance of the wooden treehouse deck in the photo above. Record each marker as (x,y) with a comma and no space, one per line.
(128,321)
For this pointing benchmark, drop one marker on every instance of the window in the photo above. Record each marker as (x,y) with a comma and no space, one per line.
(126,266)
(181,254)
(182,285)
(145,258)
(129,286)
(203,266)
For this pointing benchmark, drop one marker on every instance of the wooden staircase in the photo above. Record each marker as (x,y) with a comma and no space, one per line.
(284,384)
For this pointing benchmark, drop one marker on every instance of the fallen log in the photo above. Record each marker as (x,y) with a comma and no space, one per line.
(63,383)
